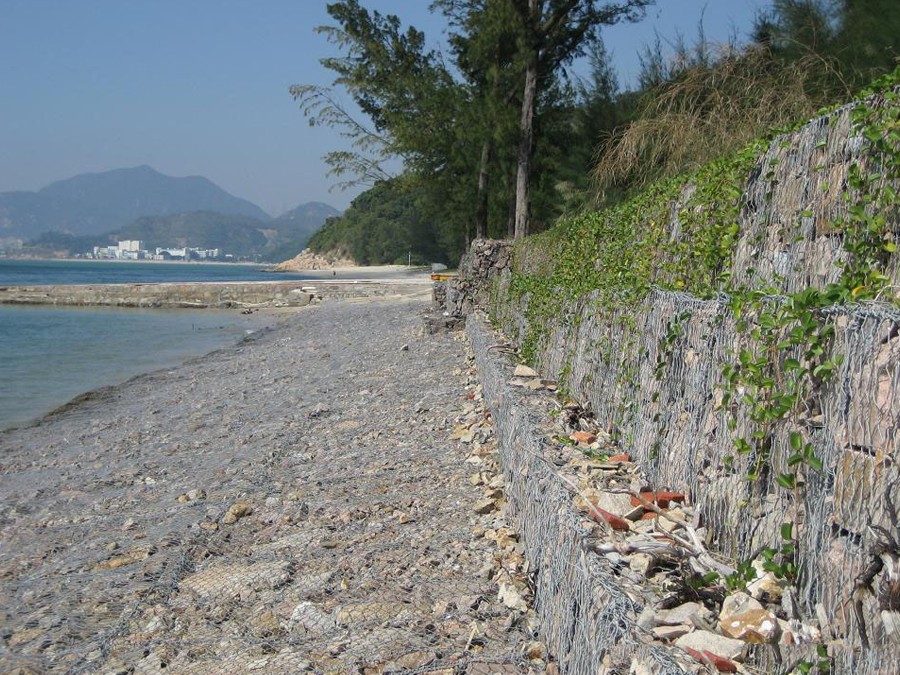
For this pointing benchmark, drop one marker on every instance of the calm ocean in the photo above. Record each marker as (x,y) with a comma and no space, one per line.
(48,355)
(44,272)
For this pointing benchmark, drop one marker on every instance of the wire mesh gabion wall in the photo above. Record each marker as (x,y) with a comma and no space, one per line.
(668,419)
(653,374)
(587,617)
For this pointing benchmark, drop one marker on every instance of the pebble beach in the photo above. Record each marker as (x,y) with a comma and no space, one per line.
(300,502)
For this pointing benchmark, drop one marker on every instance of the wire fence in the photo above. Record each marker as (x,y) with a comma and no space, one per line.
(660,396)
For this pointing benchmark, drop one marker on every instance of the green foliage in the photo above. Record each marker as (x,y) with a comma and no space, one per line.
(784,355)
(404,89)
(54,243)
(707,100)
(382,226)
(743,575)
(821,665)
(621,251)
(455,126)
(857,39)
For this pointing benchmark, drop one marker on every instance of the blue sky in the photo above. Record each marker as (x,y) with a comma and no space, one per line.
(200,87)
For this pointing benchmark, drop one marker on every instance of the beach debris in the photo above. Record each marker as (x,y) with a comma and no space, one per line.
(192,495)
(583,437)
(236,511)
(524,371)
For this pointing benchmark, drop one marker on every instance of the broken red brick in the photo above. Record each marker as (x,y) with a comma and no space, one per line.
(720,663)
(615,522)
(662,498)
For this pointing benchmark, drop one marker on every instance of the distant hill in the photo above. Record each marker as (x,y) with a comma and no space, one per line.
(238,235)
(235,234)
(97,203)
(291,231)
(309,216)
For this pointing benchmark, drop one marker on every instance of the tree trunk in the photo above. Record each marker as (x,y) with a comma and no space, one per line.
(526,146)
(481,206)
(511,212)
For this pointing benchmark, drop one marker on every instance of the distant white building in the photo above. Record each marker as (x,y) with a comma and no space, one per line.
(133,249)
(130,249)
(131,246)
(163,253)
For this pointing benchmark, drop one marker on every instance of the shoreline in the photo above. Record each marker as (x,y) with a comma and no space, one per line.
(267,301)
(107,392)
(258,506)
(266,320)
(138,262)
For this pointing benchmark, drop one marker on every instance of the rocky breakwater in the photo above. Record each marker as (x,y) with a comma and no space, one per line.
(237,294)
(324,497)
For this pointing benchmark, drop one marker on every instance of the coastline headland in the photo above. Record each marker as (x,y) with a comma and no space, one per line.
(218,295)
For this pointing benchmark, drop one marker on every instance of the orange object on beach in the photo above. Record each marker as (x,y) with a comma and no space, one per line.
(720,663)
(615,522)
(661,498)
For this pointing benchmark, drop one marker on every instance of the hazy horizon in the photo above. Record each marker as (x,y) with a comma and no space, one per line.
(201,88)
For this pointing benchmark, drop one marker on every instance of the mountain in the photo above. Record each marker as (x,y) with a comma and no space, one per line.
(235,234)
(292,230)
(307,217)
(239,235)
(95,203)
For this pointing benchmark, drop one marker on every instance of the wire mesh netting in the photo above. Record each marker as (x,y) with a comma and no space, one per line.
(588,616)
(294,504)
(654,374)
(663,395)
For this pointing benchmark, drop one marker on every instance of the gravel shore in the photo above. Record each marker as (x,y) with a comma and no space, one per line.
(302,501)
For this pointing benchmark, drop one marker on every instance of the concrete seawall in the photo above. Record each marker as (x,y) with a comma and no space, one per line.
(219,295)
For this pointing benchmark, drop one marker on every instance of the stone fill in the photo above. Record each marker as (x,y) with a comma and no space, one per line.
(301,502)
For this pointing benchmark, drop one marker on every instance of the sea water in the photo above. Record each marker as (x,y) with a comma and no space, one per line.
(62,272)
(48,355)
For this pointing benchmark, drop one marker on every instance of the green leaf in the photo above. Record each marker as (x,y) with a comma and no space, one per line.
(786,531)
(710,578)
(796,441)
(787,480)
(742,446)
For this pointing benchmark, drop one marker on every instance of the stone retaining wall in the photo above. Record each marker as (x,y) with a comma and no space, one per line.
(653,374)
(587,619)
